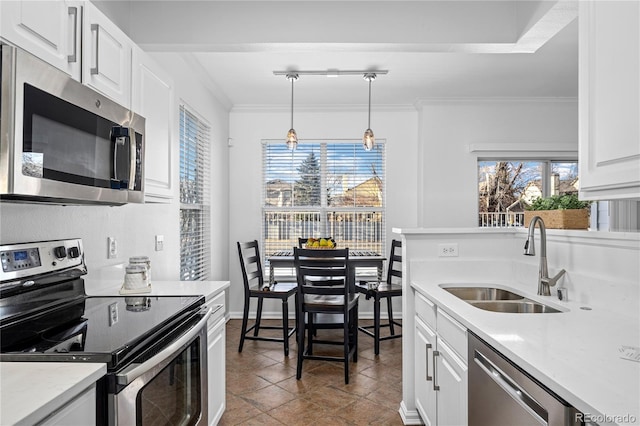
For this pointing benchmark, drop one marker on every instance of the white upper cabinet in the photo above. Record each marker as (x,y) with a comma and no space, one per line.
(106,63)
(609,91)
(49,30)
(153,99)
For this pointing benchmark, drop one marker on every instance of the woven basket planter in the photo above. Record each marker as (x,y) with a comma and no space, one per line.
(560,219)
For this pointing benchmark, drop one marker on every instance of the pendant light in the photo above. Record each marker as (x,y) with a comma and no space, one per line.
(368,140)
(292,137)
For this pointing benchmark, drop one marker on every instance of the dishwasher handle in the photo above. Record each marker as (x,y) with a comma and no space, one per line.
(525,400)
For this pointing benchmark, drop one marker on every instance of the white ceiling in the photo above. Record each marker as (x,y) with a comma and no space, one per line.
(432,49)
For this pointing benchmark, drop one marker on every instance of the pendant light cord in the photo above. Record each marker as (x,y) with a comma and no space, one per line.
(369,122)
(292,80)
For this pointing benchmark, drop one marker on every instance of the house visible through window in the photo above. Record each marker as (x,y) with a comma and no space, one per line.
(195,252)
(323,189)
(506,187)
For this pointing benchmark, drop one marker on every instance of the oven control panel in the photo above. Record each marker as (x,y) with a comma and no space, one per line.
(16,260)
(27,259)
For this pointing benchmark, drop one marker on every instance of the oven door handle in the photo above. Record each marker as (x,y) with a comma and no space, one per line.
(129,376)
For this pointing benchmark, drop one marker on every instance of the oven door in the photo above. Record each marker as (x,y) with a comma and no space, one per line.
(169,388)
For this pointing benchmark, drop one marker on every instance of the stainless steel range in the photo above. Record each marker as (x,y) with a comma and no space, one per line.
(155,347)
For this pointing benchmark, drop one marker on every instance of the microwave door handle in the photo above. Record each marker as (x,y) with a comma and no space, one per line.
(133,159)
(118,140)
(129,375)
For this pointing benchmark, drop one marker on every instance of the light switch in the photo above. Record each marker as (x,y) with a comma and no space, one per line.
(159,242)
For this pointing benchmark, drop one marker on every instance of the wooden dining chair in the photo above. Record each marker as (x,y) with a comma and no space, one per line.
(255,287)
(384,290)
(324,288)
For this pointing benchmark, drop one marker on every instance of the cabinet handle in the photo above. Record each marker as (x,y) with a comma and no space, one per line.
(96,28)
(436,387)
(73,11)
(429,378)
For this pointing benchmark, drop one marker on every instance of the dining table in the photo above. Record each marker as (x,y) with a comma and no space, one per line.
(357,259)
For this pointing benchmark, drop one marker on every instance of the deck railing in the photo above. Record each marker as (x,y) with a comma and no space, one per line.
(500,219)
(357,230)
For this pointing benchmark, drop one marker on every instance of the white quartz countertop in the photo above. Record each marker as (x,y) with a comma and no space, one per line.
(30,391)
(575,353)
(208,289)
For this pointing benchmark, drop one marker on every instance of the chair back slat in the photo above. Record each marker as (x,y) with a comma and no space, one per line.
(394,269)
(322,272)
(250,264)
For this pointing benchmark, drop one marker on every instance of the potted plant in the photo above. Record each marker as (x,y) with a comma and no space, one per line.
(560,212)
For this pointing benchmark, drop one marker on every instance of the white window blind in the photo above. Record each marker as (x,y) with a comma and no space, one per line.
(323,189)
(195,240)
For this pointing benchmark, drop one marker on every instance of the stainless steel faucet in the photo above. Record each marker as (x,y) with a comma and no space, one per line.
(544,282)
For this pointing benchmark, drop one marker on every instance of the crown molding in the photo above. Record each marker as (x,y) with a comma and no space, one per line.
(324,108)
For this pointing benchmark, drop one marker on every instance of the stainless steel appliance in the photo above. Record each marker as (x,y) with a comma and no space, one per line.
(500,393)
(63,142)
(155,347)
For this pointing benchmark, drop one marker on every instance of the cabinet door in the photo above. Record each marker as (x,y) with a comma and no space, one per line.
(425,344)
(106,61)
(79,411)
(216,370)
(49,30)
(609,99)
(153,99)
(452,379)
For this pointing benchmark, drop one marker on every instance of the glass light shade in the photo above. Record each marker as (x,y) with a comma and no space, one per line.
(368,140)
(292,139)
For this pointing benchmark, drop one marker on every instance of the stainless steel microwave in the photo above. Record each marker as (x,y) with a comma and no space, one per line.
(62,141)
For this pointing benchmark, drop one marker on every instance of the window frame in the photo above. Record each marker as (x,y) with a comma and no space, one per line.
(324,209)
(545,176)
(200,247)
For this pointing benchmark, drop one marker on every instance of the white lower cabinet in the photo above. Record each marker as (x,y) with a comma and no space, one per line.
(441,381)
(216,362)
(79,411)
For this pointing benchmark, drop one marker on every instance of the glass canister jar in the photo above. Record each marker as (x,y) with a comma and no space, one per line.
(135,277)
(142,260)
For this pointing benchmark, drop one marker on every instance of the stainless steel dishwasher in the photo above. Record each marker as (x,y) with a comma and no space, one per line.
(500,393)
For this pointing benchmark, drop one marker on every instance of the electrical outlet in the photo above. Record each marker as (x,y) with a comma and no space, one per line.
(112,248)
(448,250)
(159,242)
(113,313)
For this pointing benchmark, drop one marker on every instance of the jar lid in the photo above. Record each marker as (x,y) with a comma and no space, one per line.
(135,269)
(138,259)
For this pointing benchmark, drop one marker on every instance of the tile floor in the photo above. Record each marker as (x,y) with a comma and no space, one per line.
(262,388)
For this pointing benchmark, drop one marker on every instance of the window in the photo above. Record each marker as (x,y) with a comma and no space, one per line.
(323,189)
(194,197)
(505,187)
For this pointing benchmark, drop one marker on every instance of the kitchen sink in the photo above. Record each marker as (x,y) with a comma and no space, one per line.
(499,300)
(483,293)
(524,306)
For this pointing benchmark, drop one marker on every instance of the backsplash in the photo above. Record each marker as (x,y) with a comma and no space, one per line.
(133,227)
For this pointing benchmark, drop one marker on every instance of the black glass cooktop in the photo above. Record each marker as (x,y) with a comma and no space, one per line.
(96,329)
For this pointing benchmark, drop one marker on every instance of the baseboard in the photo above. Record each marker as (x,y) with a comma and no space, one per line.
(409,417)
(278,315)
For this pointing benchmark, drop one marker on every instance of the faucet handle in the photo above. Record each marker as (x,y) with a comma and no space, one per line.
(552,281)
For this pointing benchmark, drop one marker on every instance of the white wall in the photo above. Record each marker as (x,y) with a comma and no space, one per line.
(448,172)
(248,126)
(135,225)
